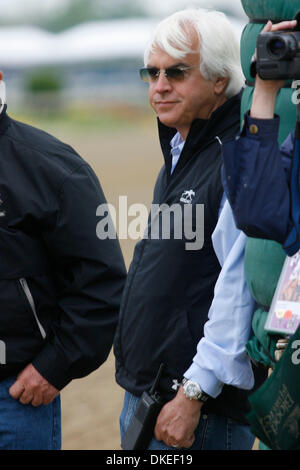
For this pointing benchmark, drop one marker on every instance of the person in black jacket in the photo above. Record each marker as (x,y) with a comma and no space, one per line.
(169,314)
(60,285)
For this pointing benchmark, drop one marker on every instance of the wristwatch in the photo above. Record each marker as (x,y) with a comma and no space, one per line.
(193,391)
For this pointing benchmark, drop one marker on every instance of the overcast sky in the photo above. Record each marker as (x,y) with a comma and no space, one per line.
(11,8)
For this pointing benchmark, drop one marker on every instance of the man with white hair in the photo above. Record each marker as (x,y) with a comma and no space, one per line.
(170,313)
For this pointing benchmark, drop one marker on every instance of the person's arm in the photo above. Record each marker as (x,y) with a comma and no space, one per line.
(221,355)
(90,274)
(256,172)
(255,179)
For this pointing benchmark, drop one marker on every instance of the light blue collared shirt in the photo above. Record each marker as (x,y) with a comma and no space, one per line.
(221,356)
(177,145)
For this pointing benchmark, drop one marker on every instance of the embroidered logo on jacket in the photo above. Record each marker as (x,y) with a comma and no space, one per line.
(187,196)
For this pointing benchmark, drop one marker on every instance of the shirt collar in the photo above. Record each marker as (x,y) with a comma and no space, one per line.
(177,141)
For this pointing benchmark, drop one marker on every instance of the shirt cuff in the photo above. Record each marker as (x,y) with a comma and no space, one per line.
(206,379)
(260,128)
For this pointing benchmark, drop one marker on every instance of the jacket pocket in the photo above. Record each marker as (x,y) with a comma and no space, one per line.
(32,306)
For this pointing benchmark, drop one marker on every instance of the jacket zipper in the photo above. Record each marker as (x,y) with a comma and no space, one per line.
(29,297)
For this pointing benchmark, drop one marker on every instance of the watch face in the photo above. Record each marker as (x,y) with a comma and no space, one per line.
(192,390)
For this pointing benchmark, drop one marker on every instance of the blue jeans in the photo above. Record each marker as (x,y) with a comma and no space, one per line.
(25,427)
(213,432)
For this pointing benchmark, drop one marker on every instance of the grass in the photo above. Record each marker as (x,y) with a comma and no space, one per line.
(95,119)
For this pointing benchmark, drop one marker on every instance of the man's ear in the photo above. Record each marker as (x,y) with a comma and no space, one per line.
(220,85)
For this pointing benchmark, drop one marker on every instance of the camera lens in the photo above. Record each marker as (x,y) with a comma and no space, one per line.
(277,46)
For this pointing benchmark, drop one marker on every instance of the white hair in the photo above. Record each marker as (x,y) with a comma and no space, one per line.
(217,44)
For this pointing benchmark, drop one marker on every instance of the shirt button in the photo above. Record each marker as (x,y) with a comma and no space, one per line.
(253,129)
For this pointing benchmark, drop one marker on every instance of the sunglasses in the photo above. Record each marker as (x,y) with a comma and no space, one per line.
(176,74)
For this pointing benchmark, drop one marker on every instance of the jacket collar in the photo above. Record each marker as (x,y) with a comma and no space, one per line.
(202,131)
(4,120)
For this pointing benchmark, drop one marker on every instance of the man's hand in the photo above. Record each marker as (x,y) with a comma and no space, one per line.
(31,387)
(265,91)
(177,421)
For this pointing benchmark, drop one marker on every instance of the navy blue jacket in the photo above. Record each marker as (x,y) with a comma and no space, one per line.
(60,285)
(169,289)
(256,178)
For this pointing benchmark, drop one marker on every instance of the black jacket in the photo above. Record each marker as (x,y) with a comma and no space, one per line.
(169,289)
(60,285)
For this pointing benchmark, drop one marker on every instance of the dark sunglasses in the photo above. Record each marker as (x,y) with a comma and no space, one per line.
(151,74)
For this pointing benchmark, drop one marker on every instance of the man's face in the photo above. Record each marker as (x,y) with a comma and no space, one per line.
(178,102)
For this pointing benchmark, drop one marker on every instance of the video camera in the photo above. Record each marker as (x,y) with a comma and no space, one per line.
(278,55)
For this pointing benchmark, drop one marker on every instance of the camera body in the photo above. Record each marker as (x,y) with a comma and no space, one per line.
(278,55)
